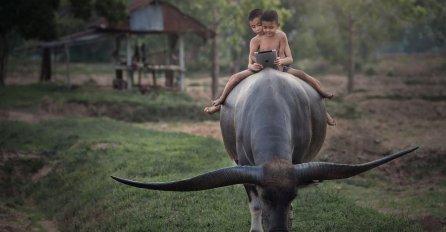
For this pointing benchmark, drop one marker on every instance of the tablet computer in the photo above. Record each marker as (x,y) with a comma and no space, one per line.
(266,58)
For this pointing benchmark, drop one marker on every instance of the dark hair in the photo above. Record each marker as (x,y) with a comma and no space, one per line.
(254,14)
(270,16)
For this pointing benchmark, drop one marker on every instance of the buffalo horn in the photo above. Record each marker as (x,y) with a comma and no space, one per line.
(210,180)
(318,171)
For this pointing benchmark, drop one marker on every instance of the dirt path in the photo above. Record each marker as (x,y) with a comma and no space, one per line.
(26,115)
(206,128)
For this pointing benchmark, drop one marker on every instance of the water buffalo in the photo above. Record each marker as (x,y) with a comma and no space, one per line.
(273,124)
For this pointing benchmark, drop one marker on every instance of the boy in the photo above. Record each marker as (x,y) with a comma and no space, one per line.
(256,27)
(268,38)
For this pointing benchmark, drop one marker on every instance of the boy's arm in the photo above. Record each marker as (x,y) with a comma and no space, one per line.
(288,59)
(253,47)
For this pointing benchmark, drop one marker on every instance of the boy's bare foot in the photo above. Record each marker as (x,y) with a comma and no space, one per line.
(326,94)
(330,120)
(217,102)
(212,109)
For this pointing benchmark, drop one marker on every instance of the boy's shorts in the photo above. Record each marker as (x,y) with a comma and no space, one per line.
(285,69)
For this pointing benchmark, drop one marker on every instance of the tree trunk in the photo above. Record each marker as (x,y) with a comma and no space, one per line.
(45,68)
(351,55)
(236,64)
(67,65)
(215,63)
(3,59)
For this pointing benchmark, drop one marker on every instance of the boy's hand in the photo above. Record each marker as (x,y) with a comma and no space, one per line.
(278,61)
(255,67)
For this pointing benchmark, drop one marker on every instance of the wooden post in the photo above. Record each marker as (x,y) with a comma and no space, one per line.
(215,63)
(129,63)
(67,64)
(154,78)
(3,58)
(139,77)
(45,68)
(118,82)
(170,74)
(182,64)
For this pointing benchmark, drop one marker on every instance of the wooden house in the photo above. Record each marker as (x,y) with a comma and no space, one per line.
(145,17)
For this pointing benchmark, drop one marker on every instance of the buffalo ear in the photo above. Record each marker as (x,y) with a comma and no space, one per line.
(308,173)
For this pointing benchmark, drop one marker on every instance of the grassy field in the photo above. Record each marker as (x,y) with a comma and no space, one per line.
(80,196)
(158,104)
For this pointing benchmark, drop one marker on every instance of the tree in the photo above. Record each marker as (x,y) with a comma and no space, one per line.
(27,19)
(113,10)
(429,32)
(347,32)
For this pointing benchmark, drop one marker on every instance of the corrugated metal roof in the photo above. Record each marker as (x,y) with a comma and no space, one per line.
(77,38)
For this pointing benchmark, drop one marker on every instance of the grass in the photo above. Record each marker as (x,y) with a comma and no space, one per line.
(79,194)
(326,204)
(396,97)
(412,204)
(428,64)
(25,64)
(131,106)
(339,108)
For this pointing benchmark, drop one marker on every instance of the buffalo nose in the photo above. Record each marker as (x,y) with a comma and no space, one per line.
(278,230)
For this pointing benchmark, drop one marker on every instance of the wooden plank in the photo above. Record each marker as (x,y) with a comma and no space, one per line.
(181,60)
(129,63)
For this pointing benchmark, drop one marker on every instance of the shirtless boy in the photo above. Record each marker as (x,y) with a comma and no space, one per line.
(268,38)
(256,27)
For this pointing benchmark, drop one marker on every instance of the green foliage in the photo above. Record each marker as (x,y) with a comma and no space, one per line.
(435,17)
(81,196)
(30,19)
(81,8)
(113,10)
(324,28)
(340,108)
(370,72)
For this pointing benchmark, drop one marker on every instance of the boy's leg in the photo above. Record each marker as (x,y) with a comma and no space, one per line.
(233,81)
(311,81)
